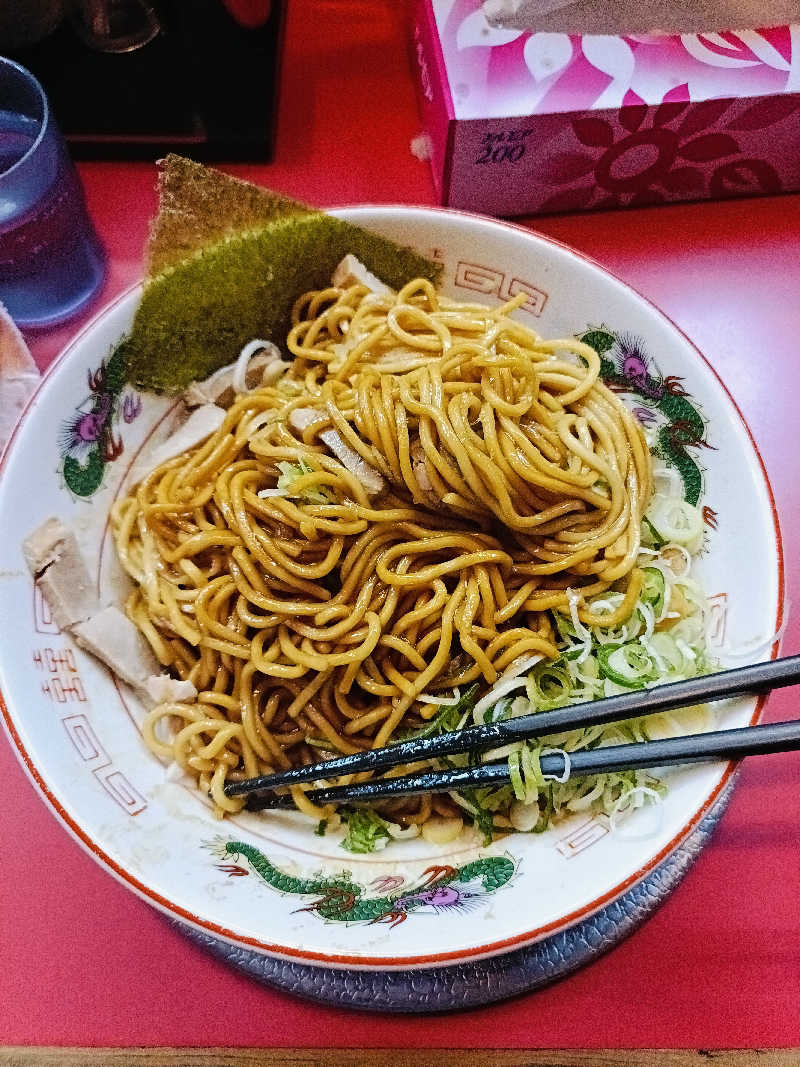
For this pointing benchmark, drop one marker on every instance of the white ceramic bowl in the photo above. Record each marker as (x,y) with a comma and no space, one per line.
(76,732)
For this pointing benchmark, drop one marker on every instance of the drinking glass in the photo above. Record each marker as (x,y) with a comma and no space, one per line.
(51,260)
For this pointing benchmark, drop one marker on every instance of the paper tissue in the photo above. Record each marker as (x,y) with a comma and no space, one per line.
(19,375)
(535,106)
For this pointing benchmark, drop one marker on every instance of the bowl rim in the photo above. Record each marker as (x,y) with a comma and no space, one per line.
(503,945)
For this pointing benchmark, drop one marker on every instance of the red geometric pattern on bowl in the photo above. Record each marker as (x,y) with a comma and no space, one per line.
(489,281)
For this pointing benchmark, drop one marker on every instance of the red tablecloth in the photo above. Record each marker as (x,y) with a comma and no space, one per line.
(86,962)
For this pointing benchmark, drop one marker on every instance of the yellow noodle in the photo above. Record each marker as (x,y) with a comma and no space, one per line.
(503,480)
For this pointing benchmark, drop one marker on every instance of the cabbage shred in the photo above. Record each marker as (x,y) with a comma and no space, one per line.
(366,830)
(663,640)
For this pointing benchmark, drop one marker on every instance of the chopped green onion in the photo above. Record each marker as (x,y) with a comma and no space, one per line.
(448,718)
(653,589)
(290,472)
(517,784)
(626,665)
(500,712)
(650,535)
(676,520)
(549,686)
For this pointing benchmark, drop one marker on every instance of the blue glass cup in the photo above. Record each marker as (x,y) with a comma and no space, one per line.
(51,259)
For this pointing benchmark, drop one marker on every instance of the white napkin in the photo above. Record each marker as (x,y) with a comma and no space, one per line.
(639,16)
(19,375)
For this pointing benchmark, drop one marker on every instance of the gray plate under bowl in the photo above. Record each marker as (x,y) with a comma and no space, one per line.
(472,985)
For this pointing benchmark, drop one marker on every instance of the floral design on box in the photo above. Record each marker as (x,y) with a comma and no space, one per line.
(589,122)
(650,155)
(504,72)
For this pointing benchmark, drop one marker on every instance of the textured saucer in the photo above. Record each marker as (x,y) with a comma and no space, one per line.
(472,985)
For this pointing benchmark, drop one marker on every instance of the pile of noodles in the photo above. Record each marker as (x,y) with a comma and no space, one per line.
(489,477)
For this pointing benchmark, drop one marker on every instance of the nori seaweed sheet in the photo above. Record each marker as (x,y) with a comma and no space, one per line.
(195,317)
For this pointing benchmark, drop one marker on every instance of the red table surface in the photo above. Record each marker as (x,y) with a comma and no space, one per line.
(85,962)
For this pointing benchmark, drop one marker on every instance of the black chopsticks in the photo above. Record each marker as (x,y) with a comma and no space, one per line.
(772,674)
(693,748)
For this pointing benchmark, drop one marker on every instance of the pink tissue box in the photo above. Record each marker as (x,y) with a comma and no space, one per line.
(526,123)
